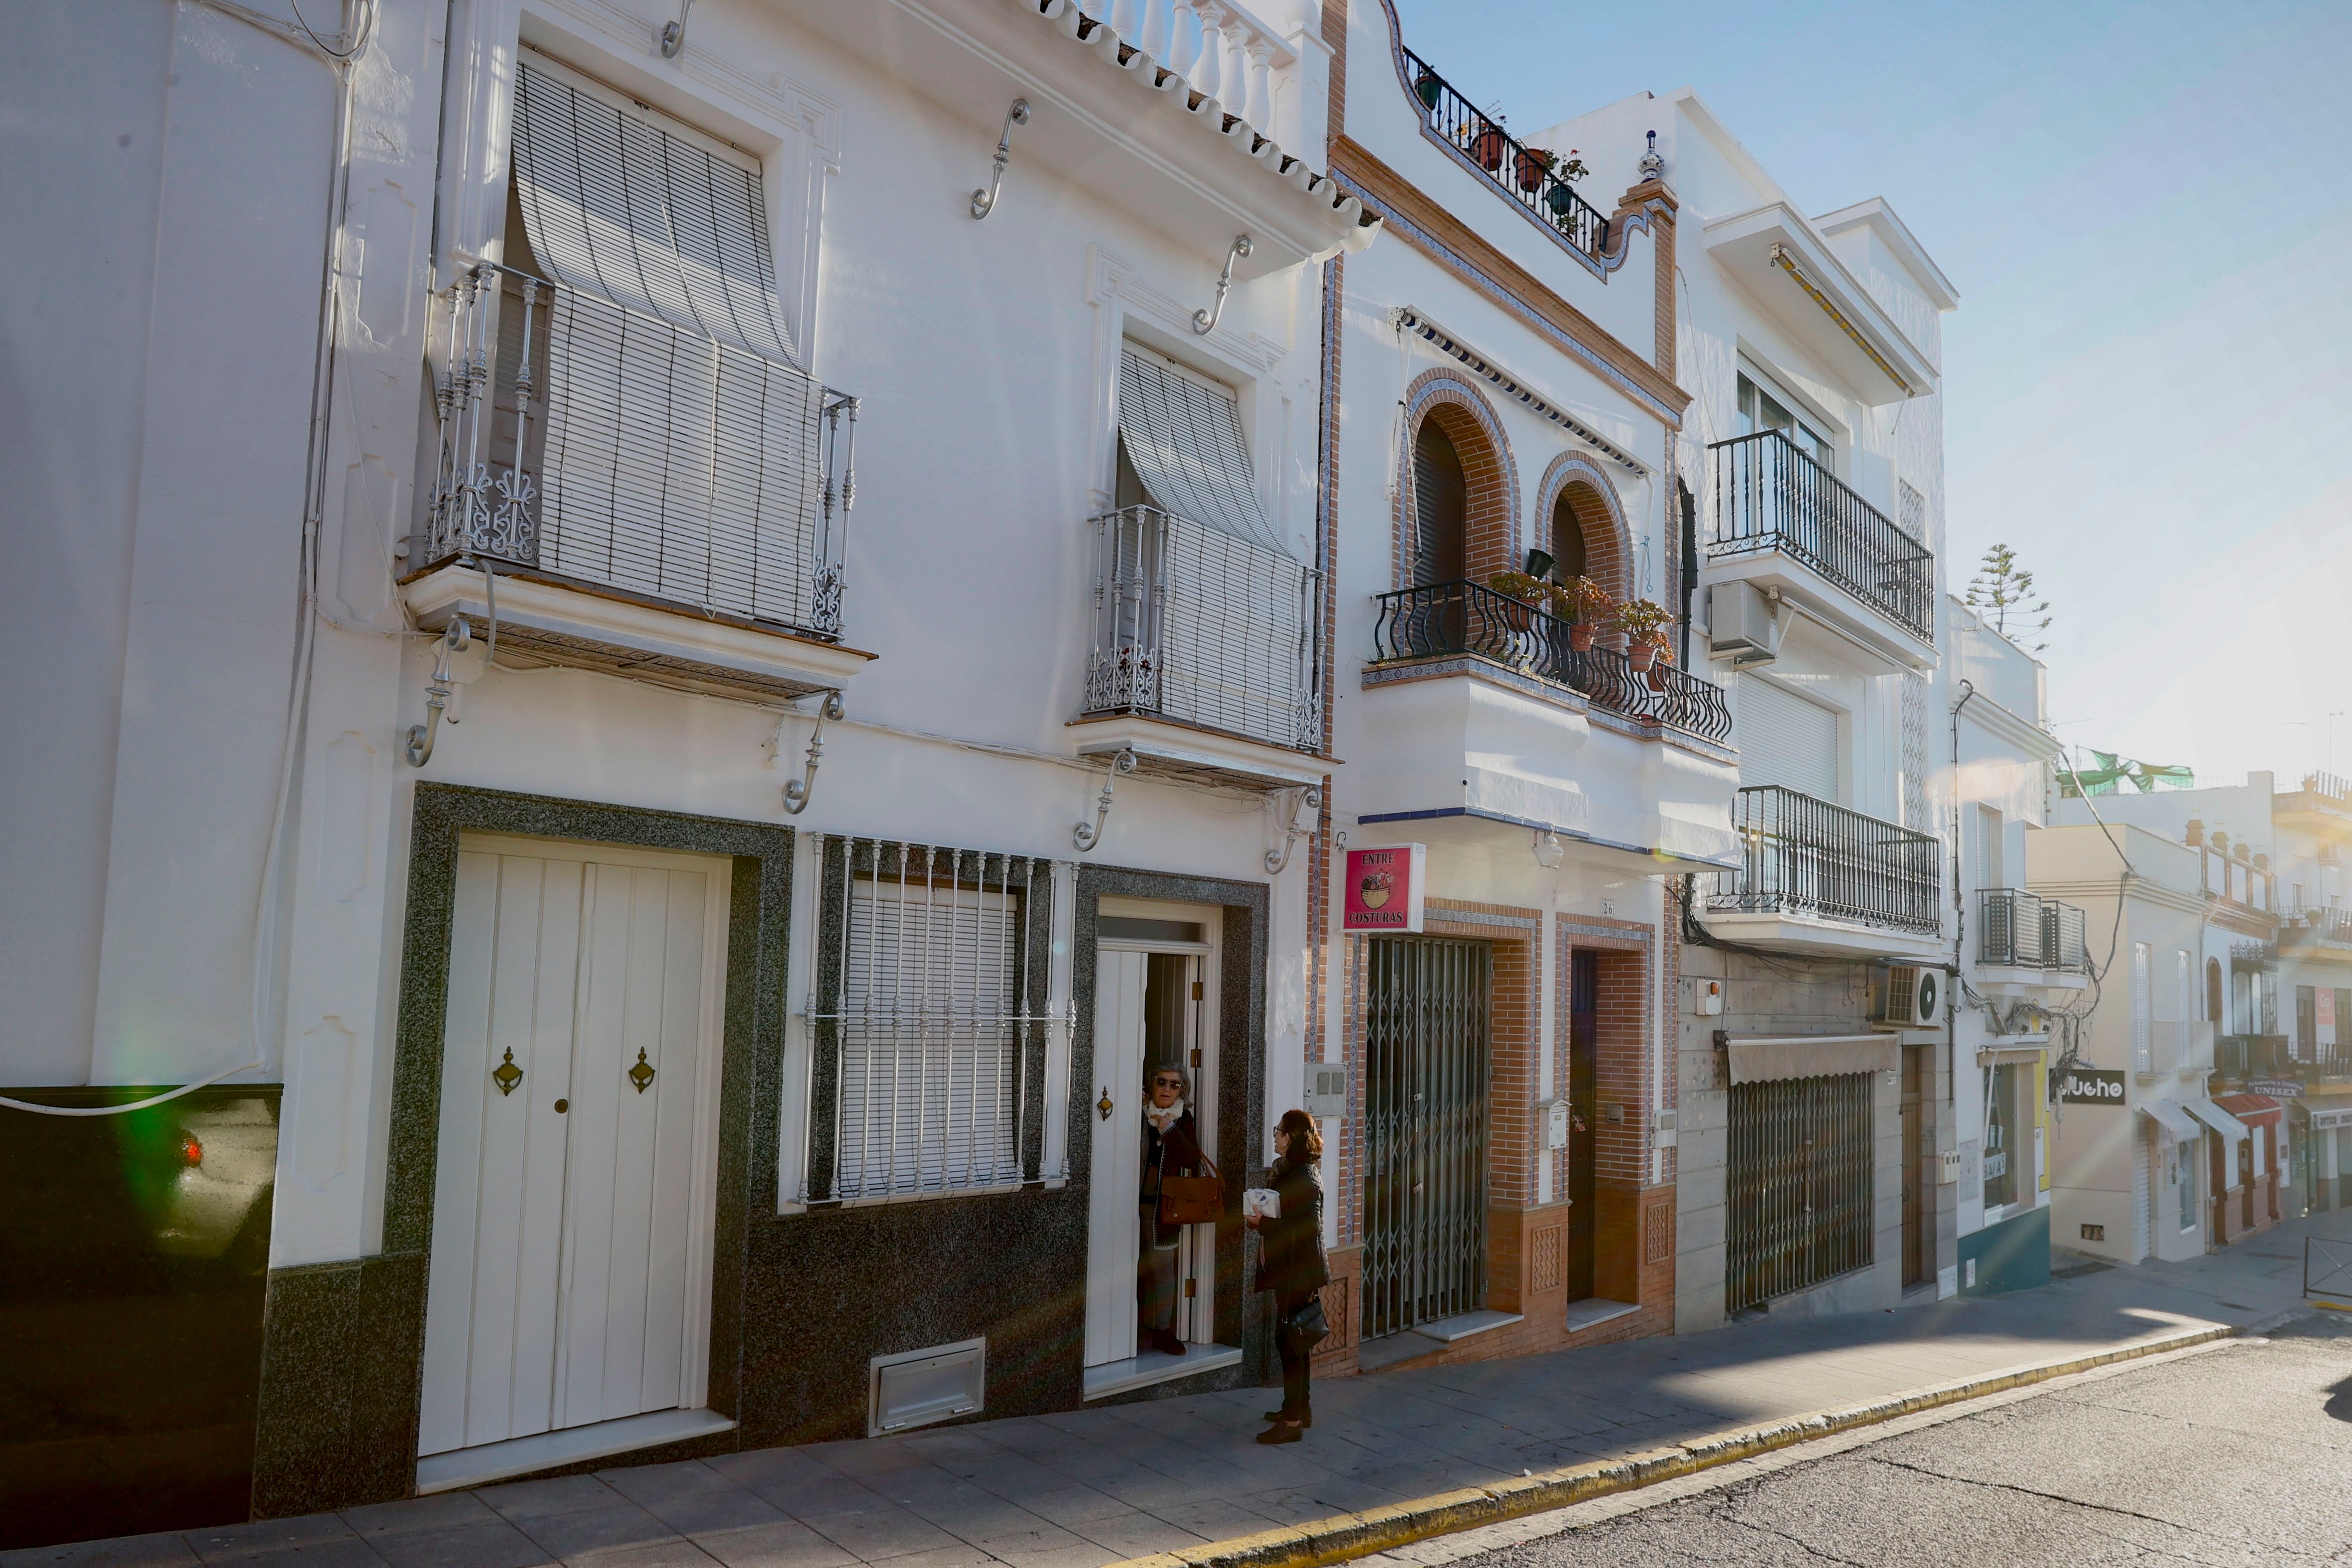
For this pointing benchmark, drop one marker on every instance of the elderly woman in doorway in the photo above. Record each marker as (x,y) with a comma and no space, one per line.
(1171,1147)
(1291,1264)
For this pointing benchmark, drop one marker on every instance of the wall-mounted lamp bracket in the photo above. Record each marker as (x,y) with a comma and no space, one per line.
(1550,852)
(456,638)
(1205,321)
(985,201)
(673,34)
(797,791)
(1087,835)
(1310,801)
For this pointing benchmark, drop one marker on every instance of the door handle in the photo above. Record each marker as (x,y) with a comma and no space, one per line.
(642,1074)
(1104,1104)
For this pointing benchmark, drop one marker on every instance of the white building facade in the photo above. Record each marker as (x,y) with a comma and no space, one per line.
(708,647)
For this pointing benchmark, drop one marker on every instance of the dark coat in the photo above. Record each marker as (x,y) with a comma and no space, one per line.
(1176,1153)
(1290,1258)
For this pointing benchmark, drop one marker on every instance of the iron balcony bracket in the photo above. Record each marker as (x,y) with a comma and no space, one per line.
(1310,800)
(1205,321)
(798,791)
(1087,835)
(985,201)
(454,639)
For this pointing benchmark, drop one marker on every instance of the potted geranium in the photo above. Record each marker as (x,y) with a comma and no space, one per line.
(1645,624)
(1519,635)
(1585,605)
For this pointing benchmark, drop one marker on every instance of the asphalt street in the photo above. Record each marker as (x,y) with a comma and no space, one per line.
(2240,1454)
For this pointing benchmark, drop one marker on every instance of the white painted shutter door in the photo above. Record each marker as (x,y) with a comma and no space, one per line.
(1786,739)
(1114,1171)
(565,1249)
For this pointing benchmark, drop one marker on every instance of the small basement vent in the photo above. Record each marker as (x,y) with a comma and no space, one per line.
(918,1387)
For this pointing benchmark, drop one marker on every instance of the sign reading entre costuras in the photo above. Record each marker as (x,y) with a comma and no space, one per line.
(1384,889)
(2091,1086)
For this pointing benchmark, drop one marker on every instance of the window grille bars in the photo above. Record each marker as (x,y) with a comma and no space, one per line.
(930,1020)
(1515,170)
(592,441)
(1465,617)
(1425,1045)
(1771,496)
(1801,855)
(1799,1186)
(2021,930)
(1194,623)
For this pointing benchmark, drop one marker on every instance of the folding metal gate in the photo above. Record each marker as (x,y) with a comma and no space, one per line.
(1426,1131)
(1800,1192)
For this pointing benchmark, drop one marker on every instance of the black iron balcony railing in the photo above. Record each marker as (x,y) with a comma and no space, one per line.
(1771,496)
(1802,856)
(593,442)
(2317,1062)
(2244,1056)
(2020,930)
(1525,174)
(1470,618)
(2308,925)
(1195,624)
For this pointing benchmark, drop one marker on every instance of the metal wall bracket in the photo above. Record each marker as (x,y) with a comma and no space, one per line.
(673,34)
(456,638)
(985,201)
(1087,835)
(797,791)
(1310,801)
(1205,321)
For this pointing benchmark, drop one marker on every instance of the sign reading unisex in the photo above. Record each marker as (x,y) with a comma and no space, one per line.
(1384,889)
(2091,1086)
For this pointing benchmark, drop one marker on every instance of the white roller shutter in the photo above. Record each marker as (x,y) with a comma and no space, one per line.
(1786,738)
(1184,437)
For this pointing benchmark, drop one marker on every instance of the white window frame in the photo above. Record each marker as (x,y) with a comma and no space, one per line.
(2142,999)
(1823,446)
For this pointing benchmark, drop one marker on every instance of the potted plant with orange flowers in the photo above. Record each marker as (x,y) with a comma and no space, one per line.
(1586,606)
(1644,623)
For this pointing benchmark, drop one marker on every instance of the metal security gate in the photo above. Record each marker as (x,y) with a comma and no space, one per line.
(1426,1131)
(1801,1191)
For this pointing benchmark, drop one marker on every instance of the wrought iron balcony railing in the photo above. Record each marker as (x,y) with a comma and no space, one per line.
(1771,496)
(1196,624)
(2311,923)
(2243,1056)
(592,441)
(1470,618)
(2020,930)
(1527,175)
(1806,856)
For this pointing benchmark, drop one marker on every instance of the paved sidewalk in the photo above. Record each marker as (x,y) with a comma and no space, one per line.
(1092,1487)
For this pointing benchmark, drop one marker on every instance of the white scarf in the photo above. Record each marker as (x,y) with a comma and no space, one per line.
(1163,1117)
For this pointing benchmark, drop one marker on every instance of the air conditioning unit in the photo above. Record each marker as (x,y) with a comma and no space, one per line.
(1742,625)
(1913,997)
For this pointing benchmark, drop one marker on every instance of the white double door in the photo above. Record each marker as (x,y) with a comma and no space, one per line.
(572,1197)
(1150,1007)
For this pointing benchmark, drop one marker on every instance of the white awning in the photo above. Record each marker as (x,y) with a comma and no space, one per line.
(1184,437)
(2173,1120)
(626,203)
(1769,1059)
(2220,1121)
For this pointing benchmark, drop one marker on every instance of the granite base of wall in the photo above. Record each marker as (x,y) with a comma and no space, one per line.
(339,1372)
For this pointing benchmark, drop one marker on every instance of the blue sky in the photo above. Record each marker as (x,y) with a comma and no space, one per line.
(2147,212)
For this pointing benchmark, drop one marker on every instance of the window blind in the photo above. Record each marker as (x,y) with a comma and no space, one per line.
(934,1005)
(1787,739)
(1990,872)
(1183,436)
(623,202)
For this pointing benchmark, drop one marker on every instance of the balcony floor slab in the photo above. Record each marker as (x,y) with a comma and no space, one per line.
(1794,931)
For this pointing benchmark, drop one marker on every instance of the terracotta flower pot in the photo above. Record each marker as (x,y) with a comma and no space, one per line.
(1580,636)
(1531,170)
(1488,147)
(1656,677)
(1642,655)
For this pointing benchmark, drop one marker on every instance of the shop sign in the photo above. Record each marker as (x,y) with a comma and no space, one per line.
(2340,1116)
(1384,889)
(2326,998)
(2091,1086)
(2277,1088)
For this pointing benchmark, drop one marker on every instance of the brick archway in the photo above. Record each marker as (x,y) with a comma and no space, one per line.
(1490,518)
(1576,494)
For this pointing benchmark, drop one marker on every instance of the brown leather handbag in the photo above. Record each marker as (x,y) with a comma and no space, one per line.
(1193,1199)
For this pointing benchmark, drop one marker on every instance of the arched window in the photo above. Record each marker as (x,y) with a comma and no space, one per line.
(1441,504)
(1569,557)
(2213,990)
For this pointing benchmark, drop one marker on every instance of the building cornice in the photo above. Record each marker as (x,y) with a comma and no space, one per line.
(2013,729)
(1414,218)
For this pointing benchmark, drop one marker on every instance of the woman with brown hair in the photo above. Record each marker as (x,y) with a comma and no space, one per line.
(1291,1264)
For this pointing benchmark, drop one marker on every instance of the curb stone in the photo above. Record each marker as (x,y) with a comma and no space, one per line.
(1351,1535)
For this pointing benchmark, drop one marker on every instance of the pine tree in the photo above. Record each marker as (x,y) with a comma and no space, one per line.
(2001,591)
